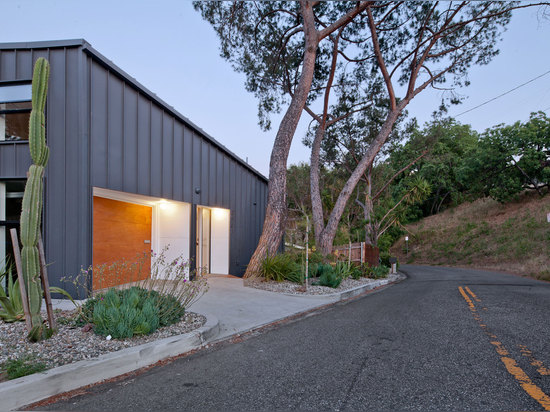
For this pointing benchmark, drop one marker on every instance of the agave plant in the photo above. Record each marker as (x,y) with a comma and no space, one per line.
(11,309)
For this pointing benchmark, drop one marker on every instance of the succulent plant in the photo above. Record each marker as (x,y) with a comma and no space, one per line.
(32,199)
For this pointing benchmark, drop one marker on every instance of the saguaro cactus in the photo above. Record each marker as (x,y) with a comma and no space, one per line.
(32,199)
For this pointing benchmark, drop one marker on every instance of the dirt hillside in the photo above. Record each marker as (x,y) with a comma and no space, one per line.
(514,237)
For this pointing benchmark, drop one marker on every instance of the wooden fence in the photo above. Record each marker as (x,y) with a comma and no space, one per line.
(358,253)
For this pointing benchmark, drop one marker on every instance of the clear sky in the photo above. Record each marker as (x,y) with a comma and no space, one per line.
(168,48)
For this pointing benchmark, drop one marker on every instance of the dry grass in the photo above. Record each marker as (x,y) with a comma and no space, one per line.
(514,237)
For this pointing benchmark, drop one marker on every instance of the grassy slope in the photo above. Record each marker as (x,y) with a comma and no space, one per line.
(513,237)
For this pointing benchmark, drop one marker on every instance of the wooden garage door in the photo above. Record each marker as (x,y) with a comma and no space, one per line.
(122,233)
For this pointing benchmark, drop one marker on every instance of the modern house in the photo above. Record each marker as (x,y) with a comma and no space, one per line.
(127,172)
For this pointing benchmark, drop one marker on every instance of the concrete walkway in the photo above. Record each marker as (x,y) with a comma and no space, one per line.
(230,309)
(240,308)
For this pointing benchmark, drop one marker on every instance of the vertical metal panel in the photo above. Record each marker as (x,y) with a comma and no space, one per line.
(115,148)
(238,207)
(187,165)
(86,200)
(7,159)
(98,125)
(22,160)
(196,164)
(212,176)
(167,161)
(7,65)
(23,69)
(219,179)
(156,151)
(144,145)
(70,168)
(233,238)
(56,190)
(130,125)
(226,183)
(205,169)
(177,159)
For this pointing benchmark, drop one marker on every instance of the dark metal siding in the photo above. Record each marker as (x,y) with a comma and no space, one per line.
(105,131)
(66,216)
(140,147)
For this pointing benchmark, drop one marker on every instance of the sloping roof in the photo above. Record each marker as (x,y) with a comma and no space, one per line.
(101,59)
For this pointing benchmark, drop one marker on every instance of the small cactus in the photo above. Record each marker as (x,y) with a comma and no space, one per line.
(32,199)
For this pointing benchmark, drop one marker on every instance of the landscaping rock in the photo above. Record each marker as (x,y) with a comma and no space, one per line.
(297,289)
(73,343)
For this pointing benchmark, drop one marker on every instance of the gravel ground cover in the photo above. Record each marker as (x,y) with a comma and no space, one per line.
(296,289)
(72,344)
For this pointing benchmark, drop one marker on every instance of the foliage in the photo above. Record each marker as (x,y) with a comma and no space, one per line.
(169,279)
(125,313)
(279,267)
(343,269)
(379,272)
(385,259)
(510,159)
(448,143)
(328,277)
(31,210)
(10,299)
(22,366)
(512,236)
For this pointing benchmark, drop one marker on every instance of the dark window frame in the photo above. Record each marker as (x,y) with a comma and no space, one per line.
(15,111)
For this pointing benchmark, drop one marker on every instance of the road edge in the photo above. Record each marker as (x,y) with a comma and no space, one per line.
(40,386)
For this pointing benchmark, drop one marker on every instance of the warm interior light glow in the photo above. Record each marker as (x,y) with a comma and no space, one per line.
(219,214)
(163,204)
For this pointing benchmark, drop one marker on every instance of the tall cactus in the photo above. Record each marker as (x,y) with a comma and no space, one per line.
(32,199)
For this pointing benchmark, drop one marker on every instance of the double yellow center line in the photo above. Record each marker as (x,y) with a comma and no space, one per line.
(511,365)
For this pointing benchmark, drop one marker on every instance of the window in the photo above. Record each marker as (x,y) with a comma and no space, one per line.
(15,110)
(11,199)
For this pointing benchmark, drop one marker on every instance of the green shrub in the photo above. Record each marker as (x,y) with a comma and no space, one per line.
(328,276)
(128,312)
(279,267)
(323,269)
(356,272)
(343,269)
(379,272)
(330,279)
(23,366)
(123,314)
(11,304)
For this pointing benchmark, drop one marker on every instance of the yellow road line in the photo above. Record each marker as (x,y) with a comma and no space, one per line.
(509,363)
(543,370)
(472,293)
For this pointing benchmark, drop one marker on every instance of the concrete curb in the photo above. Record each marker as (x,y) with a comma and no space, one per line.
(352,292)
(337,297)
(33,388)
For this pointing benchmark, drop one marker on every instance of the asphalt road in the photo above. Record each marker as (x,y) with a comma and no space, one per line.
(444,339)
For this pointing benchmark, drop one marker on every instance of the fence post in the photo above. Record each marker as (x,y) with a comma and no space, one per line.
(362,251)
(307,250)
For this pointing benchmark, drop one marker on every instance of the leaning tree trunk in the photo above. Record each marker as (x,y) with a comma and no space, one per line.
(275,216)
(315,187)
(327,237)
(370,235)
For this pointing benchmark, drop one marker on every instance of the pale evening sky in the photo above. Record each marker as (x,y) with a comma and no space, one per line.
(168,48)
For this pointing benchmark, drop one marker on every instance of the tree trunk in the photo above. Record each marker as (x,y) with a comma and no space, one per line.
(275,215)
(370,235)
(315,171)
(329,232)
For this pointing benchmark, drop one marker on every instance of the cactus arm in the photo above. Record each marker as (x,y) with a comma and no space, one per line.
(32,198)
